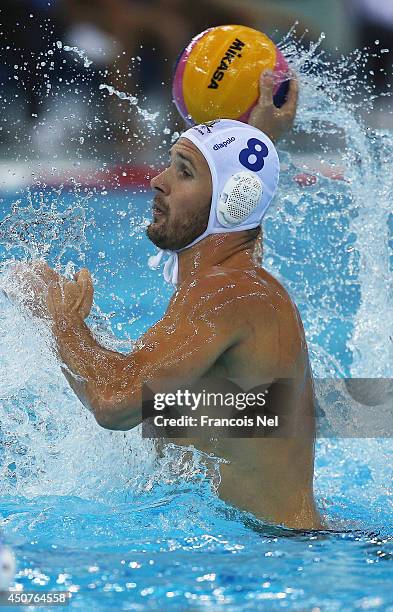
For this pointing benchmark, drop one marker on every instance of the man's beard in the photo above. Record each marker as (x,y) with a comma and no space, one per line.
(174,234)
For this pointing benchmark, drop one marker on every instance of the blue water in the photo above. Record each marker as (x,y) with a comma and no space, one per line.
(95,512)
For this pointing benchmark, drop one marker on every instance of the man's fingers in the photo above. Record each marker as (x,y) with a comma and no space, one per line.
(274,122)
(45,273)
(84,280)
(72,297)
(83,273)
(287,112)
(53,298)
(40,267)
(266,86)
(293,93)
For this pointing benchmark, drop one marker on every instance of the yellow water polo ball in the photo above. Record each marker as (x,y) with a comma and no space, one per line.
(217,74)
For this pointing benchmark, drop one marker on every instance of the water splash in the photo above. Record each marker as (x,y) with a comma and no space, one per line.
(372,185)
(45,228)
(331,93)
(79,52)
(133,100)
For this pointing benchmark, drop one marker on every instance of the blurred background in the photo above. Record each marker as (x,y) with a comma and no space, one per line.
(63,61)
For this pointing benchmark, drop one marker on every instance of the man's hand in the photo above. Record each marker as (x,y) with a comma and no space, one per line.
(266,116)
(71,298)
(47,294)
(27,284)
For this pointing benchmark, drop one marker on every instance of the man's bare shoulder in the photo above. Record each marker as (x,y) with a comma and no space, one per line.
(215,290)
(253,287)
(253,282)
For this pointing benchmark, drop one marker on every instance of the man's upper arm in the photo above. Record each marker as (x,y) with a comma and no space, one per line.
(195,331)
(197,328)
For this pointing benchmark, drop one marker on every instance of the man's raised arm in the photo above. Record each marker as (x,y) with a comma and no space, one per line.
(273,121)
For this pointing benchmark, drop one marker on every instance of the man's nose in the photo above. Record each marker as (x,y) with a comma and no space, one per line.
(160,182)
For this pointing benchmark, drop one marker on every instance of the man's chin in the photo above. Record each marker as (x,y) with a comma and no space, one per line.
(171,240)
(156,235)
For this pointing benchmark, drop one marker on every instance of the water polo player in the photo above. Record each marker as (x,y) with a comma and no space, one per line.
(228,317)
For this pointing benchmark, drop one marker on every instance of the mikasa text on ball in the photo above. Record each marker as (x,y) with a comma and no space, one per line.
(217,74)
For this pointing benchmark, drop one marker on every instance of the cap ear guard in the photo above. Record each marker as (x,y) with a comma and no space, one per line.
(239,198)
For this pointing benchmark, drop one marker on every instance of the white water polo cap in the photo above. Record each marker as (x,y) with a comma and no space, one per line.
(245,168)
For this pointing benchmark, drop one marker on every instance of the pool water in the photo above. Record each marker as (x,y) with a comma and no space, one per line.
(95,512)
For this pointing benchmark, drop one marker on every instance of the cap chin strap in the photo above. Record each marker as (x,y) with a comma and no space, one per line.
(171,266)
